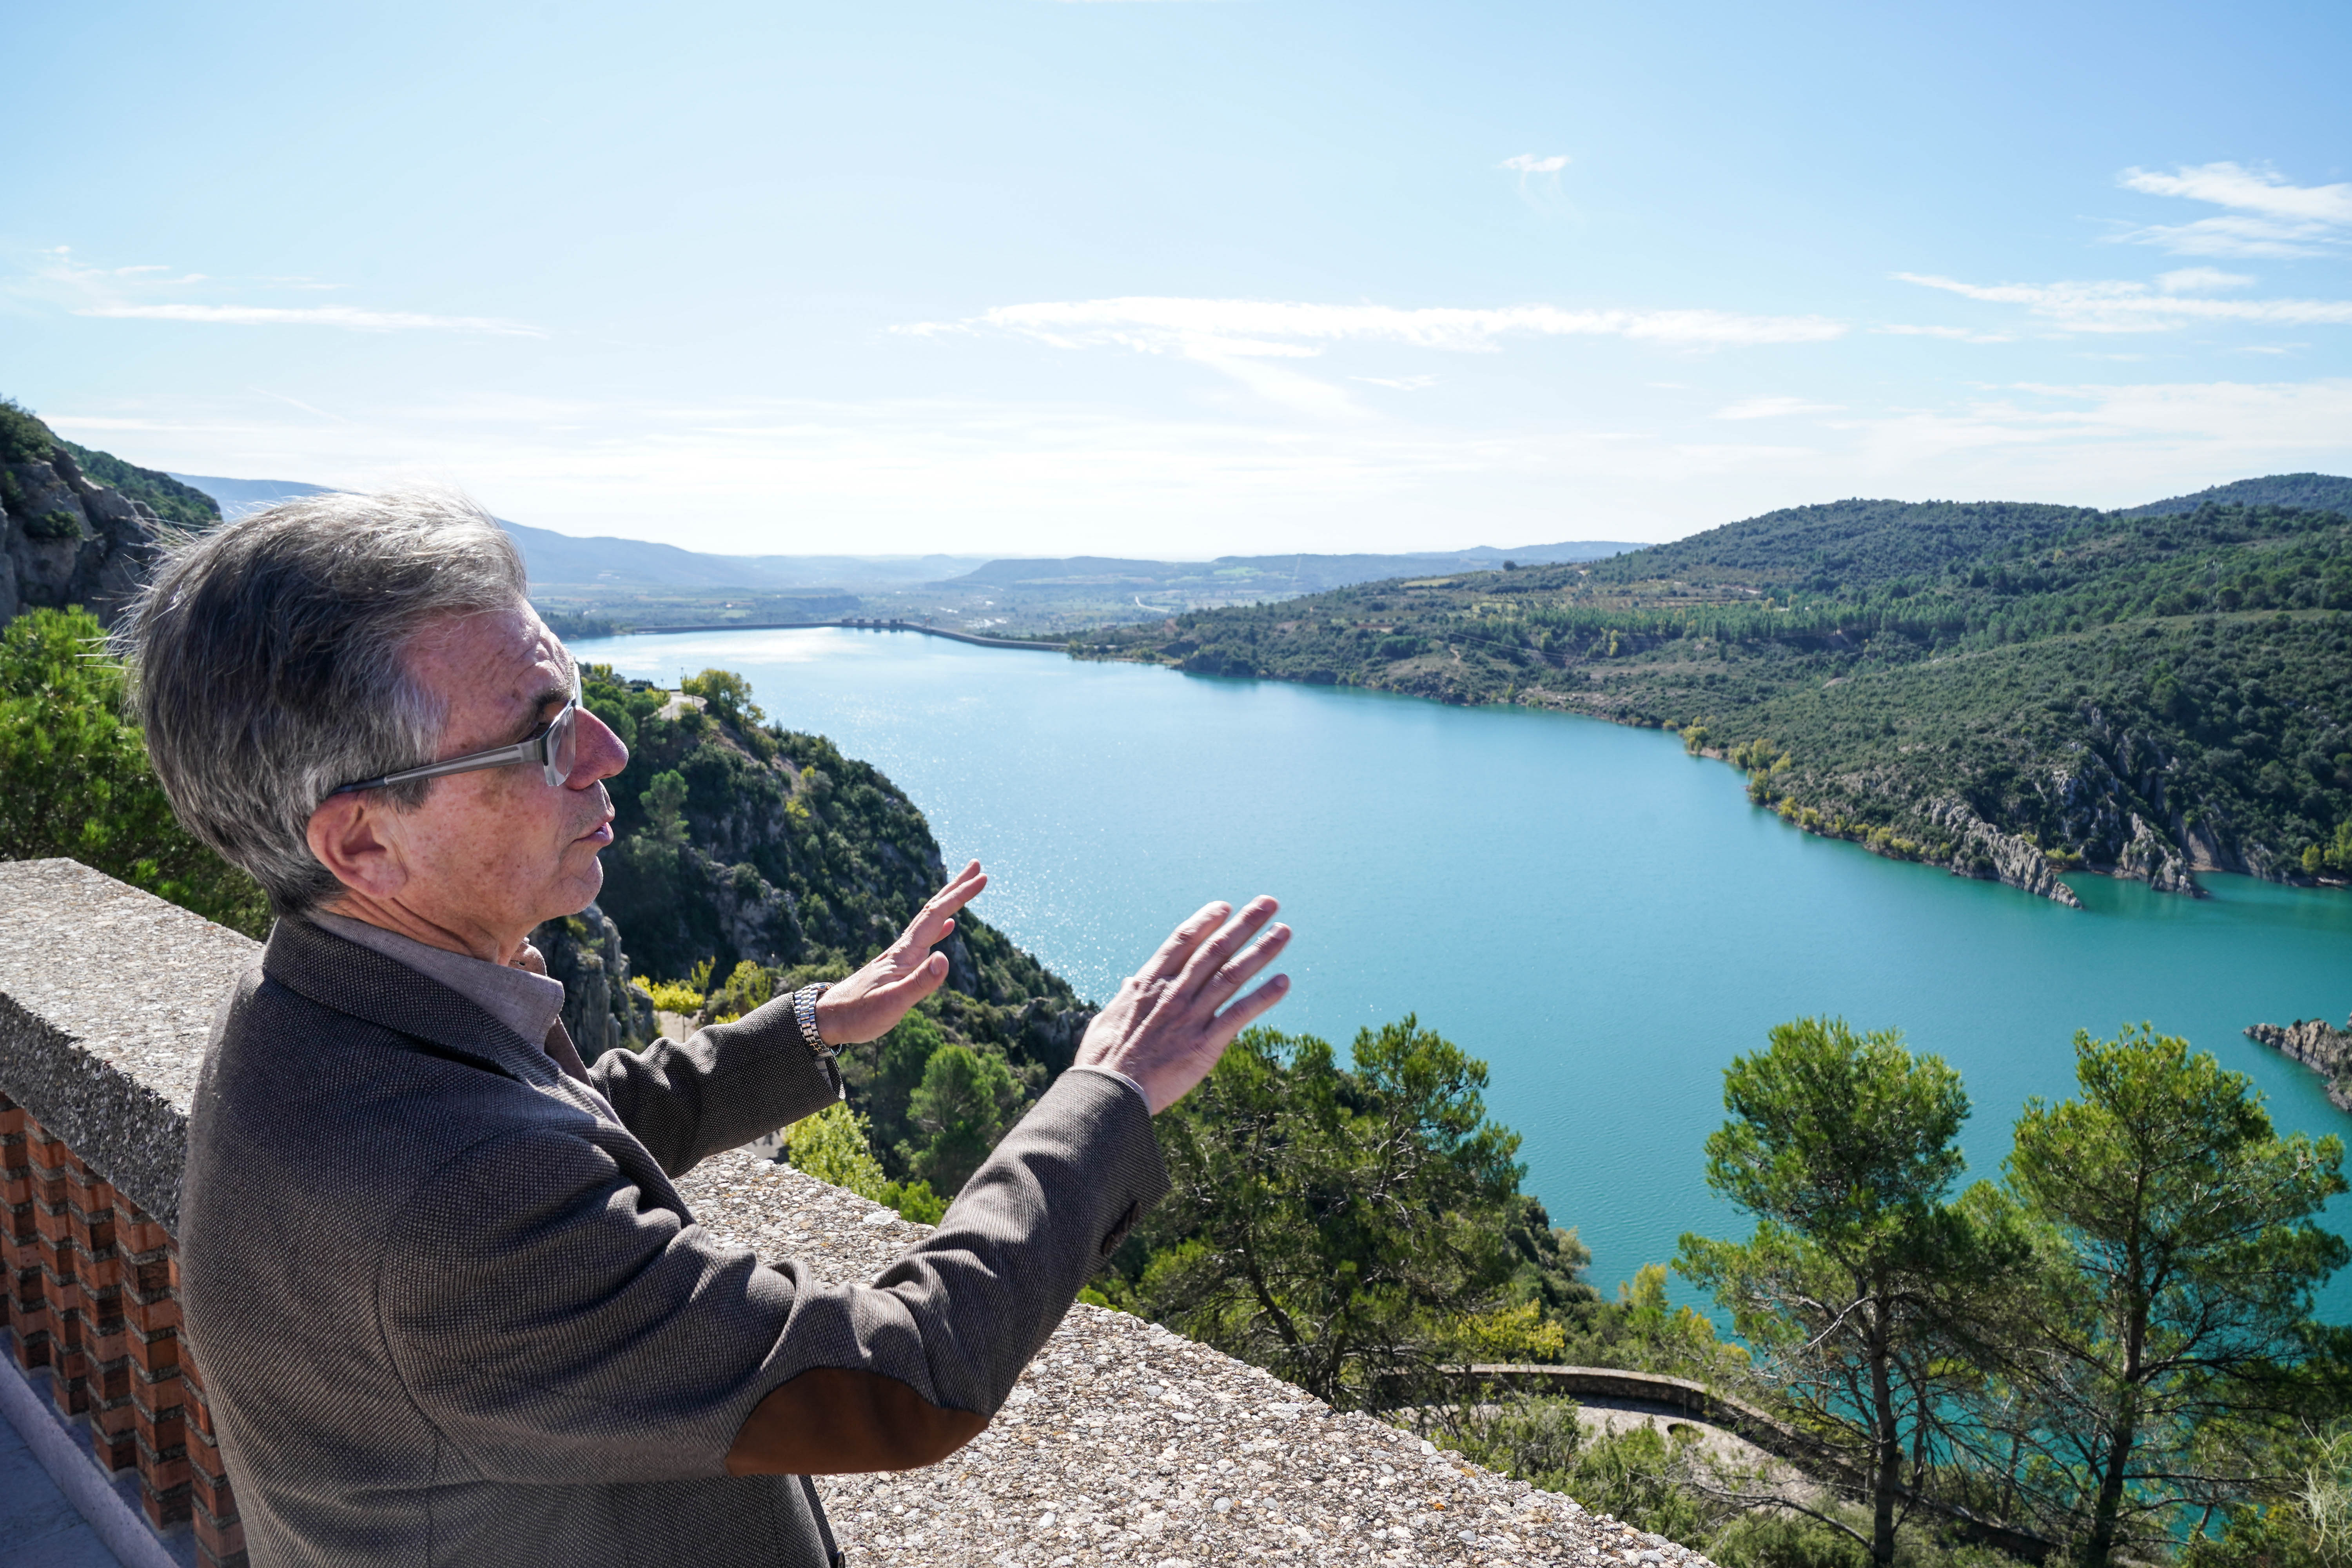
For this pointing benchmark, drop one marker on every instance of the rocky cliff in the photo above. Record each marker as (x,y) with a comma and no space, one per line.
(69,541)
(65,537)
(777,849)
(603,1008)
(2317,1045)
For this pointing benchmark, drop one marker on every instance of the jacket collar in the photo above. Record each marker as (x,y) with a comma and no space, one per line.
(324,968)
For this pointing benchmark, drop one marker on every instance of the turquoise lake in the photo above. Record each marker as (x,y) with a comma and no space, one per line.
(1604,920)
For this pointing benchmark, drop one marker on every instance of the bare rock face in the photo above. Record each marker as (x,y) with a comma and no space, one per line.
(1984,850)
(2317,1045)
(2155,858)
(65,541)
(603,1010)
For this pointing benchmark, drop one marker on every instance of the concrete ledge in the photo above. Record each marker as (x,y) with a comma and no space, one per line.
(1127,1444)
(106,998)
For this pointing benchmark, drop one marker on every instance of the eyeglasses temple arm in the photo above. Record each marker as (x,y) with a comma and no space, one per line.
(504,757)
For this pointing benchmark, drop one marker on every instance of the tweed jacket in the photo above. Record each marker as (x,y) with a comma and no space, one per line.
(448,1307)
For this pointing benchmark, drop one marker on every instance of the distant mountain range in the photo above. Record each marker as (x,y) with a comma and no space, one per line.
(603,567)
(559,560)
(563,561)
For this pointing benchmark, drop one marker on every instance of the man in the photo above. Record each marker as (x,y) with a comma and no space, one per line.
(446,1302)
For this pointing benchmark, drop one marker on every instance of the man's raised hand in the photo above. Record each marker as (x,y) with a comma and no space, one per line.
(869,1004)
(1165,1030)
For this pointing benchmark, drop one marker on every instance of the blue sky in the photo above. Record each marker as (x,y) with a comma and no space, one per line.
(1188,277)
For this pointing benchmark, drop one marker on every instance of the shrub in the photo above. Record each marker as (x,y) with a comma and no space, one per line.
(748,987)
(23,437)
(833,1146)
(53,525)
(675,996)
(74,779)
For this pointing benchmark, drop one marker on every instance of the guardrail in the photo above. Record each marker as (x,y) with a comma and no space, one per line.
(1682,1396)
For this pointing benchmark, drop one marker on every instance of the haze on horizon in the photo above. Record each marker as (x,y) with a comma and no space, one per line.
(1180,280)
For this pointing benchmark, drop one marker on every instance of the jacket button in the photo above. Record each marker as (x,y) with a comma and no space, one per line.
(1118,1232)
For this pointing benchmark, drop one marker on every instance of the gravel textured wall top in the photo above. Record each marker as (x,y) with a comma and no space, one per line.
(1127,1444)
(106,998)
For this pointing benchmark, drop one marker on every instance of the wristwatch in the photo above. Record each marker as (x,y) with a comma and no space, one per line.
(804,1015)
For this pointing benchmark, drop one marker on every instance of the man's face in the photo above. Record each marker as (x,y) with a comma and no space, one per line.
(497,850)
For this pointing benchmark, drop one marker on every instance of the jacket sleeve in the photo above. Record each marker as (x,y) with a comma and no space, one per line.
(727,1085)
(556,1323)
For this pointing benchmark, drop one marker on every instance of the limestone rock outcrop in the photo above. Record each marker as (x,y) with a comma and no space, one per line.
(1983,850)
(65,540)
(2317,1045)
(603,1010)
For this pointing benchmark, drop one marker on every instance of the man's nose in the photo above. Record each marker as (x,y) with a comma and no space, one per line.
(602,753)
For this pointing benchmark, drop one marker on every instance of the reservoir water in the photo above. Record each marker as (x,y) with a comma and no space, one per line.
(1604,920)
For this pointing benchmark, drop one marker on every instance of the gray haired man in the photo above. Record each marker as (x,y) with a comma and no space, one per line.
(446,1302)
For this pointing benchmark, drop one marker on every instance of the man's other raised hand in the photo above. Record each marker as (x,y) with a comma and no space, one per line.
(1165,1030)
(869,1004)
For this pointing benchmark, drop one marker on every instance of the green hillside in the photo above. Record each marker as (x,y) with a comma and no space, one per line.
(2007,690)
(171,501)
(2325,491)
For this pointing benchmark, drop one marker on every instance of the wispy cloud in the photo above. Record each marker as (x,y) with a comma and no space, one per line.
(1398,382)
(1531,164)
(2201,280)
(1774,409)
(348,318)
(1286,330)
(1956,335)
(2267,216)
(147,292)
(1248,340)
(2127,306)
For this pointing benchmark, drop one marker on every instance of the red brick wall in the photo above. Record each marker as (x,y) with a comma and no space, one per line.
(91,1294)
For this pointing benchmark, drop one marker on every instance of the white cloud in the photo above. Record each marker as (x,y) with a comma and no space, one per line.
(348,318)
(2260,191)
(57,278)
(2268,216)
(1774,409)
(2248,428)
(1956,335)
(1285,330)
(1529,163)
(1398,382)
(2126,307)
(2200,279)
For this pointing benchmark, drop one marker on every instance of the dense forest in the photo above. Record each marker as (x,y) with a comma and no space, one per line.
(2009,690)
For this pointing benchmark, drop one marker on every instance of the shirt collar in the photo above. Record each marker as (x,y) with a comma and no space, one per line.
(527,1004)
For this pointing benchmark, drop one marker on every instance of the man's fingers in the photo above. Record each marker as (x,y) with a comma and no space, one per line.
(1176,950)
(1247,1011)
(960,889)
(934,922)
(1233,975)
(914,986)
(1212,954)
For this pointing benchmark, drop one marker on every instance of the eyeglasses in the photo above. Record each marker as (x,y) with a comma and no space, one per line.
(555,749)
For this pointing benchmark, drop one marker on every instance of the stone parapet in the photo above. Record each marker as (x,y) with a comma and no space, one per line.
(106,999)
(1123,1443)
(1127,1444)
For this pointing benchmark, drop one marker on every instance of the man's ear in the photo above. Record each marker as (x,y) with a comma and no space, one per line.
(350,835)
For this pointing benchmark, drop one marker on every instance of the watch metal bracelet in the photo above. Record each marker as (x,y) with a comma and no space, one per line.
(804,1015)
